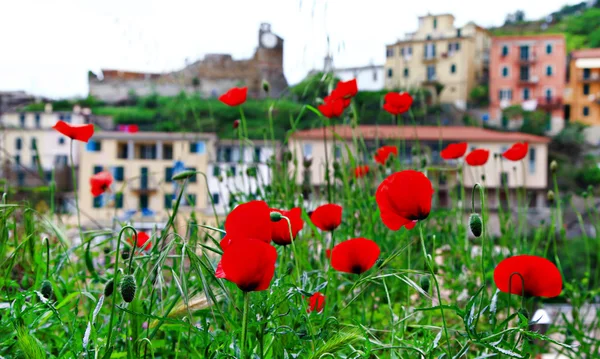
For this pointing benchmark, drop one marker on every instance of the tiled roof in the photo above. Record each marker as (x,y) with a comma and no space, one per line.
(528,37)
(422,133)
(586,53)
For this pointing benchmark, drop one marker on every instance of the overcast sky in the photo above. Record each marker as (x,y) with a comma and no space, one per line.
(47,47)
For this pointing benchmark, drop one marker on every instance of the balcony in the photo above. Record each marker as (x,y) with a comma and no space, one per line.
(527,60)
(429,59)
(591,78)
(549,103)
(143,186)
(430,81)
(528,80)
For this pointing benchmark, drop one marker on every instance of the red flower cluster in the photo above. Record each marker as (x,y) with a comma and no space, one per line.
(517,152)
(235,96)
(280,232)
(327,217)
(354,255)
(397,103)
(100,182)
(529,275)
(361,171)
(141,242)
(404,198)
(75,132)
(454,151)
(478,157)
(316,302)
(334,104)
(384,153)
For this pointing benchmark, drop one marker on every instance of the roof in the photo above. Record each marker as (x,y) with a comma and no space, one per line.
(528,37)
(127,75)
(154,136)
(422,133)
(586,54)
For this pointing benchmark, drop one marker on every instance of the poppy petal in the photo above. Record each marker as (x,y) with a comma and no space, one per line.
(539,276)
(280,231)
(250,264)
(76,132)
(248,220)
(454,151)
(356,255)
(327,217)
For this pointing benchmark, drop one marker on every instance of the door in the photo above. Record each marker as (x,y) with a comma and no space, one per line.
(524,52)
(144,178)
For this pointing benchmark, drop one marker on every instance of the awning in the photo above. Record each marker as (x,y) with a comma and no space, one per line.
(587,63)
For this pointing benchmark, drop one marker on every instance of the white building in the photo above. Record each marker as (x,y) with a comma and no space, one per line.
(369,78)
(238,171)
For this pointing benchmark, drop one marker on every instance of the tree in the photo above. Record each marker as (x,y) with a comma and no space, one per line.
(480,95)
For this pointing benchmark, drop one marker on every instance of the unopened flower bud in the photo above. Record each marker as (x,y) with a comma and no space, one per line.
(424,283)
(483,177)
(553,166)
(251,171)
(220,178)
(128,288)
(125,254)
(236,124)
(266,86)
(276,217)
(184,175)
(550,196)
(46,289)
(475,224)
(109,288)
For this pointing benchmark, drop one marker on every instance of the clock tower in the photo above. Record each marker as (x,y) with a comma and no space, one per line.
(269,57)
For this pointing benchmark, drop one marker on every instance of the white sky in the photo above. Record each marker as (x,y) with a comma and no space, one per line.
(47,47)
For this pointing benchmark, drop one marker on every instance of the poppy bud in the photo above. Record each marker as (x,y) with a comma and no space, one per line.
(125,254)
(307,162)
(109,288)
(424,283)
(46,289)
(220,178)
(106,250)
(236,124)
(251,171)
(584,194)
(423,162)
(553,166)
(275,216)
(287,156)
(266,86)
(483,177)
(550,196)
(475,224)
(183,175)
(414,151)
(128,288)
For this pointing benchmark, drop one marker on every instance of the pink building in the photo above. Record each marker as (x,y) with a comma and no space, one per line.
(529,71)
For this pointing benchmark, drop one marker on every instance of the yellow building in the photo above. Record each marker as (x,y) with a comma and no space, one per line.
(583,88)
(439,52)
(142,165)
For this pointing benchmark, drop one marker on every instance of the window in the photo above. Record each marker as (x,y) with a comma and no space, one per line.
(198,147)
(435,23)
(61,160)
(453,46)
(389,52)
(119,173)
(18,143)
(374,75)
(38,123)
(429,51)
(34,143)
(35,160)
(532,160)
(586,111)
(587,74)
(93,146)
(390,73)
(119,200)
(453,69)
(224,154)
(169,174)
(505,94)
(143,201)
(458,32)
(525,94)
(98,201)
(549,49)
(586,89)
(147,152)
(17,159)
(215,198)
(549,70)
(22,119)
(505,71)
(548,93)
(307,150)
(216,171)
(524,73)
(232,170)
(504,179)
(504,50)
(98,169)
(409,50)
(190,199)
(257,153)
(194,178)
(524,53)
(68,118)
(337,152)
(402,51)
(406,72)
(123,151)
(61,140)
(168,200)
(430,73)
(168,152)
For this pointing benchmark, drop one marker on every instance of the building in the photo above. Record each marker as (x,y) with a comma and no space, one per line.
(499,174)
(232,175)
(212,76)
(12,100)
(439,54)
(582,96)
(143,165)
(529,71)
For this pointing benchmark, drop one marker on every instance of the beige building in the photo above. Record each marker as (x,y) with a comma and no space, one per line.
(440,52)
(142,165)
(499,173)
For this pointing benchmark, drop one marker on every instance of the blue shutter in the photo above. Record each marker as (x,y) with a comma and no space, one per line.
(200,147)
(90,146)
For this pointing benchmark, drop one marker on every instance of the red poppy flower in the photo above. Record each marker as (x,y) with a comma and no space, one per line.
(454,151)
(354,255)
(403,198)
(236,124)
(248,220)
(235,96)
(540,276)
(361,171)
(517,152)
(327,217)
(332,107)
(347,89)
(142,241)
(397,103)
(75,132)
(316,302)
(478,157)
(280,232)
(100,182)
(250,264)
(384,152)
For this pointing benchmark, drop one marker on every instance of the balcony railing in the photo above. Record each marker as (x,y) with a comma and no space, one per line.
(550,103)
(591,78)
(527,59)
(528,80)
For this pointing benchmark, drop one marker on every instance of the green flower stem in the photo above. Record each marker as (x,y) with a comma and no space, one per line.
(245,324)
(296,263)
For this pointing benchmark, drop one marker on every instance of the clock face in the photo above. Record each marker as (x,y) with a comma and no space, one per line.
(268,40)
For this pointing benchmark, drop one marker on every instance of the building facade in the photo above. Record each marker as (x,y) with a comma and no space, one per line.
(142,165)
(235,173)
(439,54)
(502,178)
(529,71)
(582,99)
(210,77)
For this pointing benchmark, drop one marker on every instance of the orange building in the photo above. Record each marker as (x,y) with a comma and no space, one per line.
(583,88)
